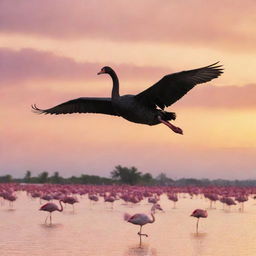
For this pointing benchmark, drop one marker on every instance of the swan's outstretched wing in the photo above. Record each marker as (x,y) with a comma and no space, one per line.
(174,86)
(81,105)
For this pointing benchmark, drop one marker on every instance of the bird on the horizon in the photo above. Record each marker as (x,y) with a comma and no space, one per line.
(51,207)
(146,107)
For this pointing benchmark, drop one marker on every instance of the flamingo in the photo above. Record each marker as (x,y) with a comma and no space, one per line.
(156,207)
(110,199)
(51,207)
(93,197)
(212,197)
(46,197)
(174,198)
(70,200)
(153,199)
(142,219)
(228,201)
(199,213)
(11,198)
(241,199)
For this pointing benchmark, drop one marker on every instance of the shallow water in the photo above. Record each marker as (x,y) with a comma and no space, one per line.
(95,229)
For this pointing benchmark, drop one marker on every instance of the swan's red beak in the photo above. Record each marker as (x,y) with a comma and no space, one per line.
(101,72)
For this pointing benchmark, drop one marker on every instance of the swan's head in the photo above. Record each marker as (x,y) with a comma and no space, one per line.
(106,70)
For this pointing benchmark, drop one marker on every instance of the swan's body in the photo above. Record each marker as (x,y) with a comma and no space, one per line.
(146,107)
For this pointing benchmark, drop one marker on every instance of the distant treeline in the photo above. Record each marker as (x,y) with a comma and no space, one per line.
(124,175)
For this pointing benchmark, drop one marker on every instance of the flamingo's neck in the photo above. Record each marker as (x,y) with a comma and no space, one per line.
(115,89)
(153,218)
(61,207)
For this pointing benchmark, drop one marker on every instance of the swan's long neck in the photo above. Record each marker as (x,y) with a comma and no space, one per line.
(115,89)
(61,207)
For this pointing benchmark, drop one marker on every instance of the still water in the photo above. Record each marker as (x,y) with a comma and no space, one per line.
(95,229)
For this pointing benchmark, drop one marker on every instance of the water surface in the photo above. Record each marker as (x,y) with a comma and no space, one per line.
(95,229)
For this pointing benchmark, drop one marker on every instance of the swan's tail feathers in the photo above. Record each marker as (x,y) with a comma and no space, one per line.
(127,216)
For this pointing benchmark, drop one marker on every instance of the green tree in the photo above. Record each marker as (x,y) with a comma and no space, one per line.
(147,179)
(42,177)
(56,178)
(126,175)
(6,178)
(27,177)
(73,180)
(163,180)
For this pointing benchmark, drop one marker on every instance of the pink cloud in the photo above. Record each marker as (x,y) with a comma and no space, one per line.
(29,64)
(149,20)
(220,97)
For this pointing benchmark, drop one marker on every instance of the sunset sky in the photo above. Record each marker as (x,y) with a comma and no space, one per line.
(51,51)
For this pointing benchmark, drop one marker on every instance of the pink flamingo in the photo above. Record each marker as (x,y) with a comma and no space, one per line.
(93,197)
(110,199)
(46,197)
(70,200)
(199,213)
(174,198)
(228,201)
(141,219)
(212,197)
(156,207)
(241,199)
(11,198)
(51,207)
(153,200)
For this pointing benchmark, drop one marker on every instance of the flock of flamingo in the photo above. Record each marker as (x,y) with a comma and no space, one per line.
(68,194)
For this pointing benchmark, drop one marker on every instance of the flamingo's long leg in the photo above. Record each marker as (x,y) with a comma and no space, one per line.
(197,225)
(46,219)
(140,234)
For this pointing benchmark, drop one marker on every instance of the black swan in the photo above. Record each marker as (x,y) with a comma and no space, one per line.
(146,107)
